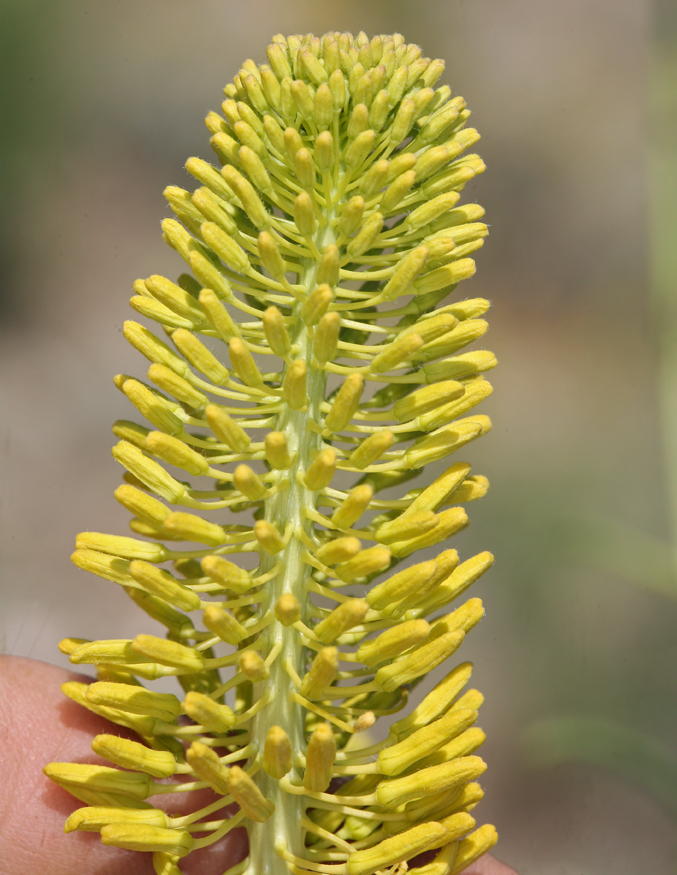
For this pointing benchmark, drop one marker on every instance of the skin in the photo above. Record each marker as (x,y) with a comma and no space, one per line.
(33,809)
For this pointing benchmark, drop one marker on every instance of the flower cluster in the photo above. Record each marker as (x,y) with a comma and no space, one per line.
(307,366)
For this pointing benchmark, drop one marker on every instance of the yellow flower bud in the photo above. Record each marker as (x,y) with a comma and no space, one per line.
(427,782)
(401,584)
(427,398)
(163,706)
(243,363)
(277,451)
(190,527)
(320,758)
(420,661)
(268,536)
(393,642)
(321,470)
(405,273)
(326,337)
(217,314)
(294,384)
(351,217)
(152,406)
(324,146)
(181,389)
(152,347)
(224,624)
(345,616)
(245,191)
(367,234)
(474,846)
(346,403)
(160,583)
(406,526)
(287,609)
(131,431)
(316,304)
(396,849)
(176,453)
(270,255)
(252,666)
(352,507)
(231,576)
(94,819)
(304,215)
(144,837)
(322,672)
(366,562)
(100,778)
(104,565)
(338,551)
(372,448)
(199,356)
(116,545)
(209,177)
(277,753)
(133,755)
(276,332)
(168,653)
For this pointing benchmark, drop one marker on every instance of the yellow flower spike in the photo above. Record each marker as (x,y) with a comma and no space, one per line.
(326,337)
(208,713)
(133,755)
(199,356)
(341,619)
(252,666)
(346,374)
(372,448)
(363,564)
(287,609)
(316,304)
(276,332)
(394,760)
(277,753)
(419,662)
(322,672)
(321,470)
(393,642)
(100,778)
(249,483)
(168,653)
(352,507)
(268,536)
(94,819)
(426,782)
(294,384)
(224,624)
(175,452)
(396,849)
(277,451)
(320,758)
(243,363)
(228,574)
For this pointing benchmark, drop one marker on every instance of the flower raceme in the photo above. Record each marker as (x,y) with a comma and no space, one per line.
(304,365)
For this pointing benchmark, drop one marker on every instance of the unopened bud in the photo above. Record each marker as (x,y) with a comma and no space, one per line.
(322,672)
(341,619)
(268,536)
(320,758)
(277,753)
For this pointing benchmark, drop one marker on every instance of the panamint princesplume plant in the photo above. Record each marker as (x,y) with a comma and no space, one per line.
(307,366)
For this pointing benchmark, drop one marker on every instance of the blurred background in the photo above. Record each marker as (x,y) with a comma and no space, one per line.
(101,105)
